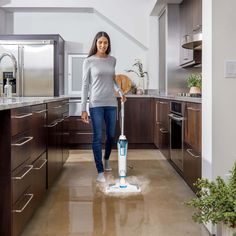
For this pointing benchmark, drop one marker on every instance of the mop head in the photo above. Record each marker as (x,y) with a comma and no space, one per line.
(123,187)
(129,188)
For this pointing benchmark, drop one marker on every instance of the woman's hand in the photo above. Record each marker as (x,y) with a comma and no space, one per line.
(123,98)
(85,117)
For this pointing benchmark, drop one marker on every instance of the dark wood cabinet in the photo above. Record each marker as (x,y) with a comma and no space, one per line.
(192,146)
(80,133)
(56,128)
(161,126)
(24,157)
(193,125)
(138,122)
(190,23)
(196,15)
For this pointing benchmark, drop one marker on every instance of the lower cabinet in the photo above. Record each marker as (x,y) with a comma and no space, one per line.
(138,121)
(192,166)
(26,162)
(80,132)
(161,126)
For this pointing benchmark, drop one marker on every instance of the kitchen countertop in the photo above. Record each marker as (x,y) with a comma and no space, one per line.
(10,103)
(168,97)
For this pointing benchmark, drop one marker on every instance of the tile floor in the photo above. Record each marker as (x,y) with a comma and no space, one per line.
(77,206)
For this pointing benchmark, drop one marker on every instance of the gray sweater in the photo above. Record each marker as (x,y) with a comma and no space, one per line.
(99,82)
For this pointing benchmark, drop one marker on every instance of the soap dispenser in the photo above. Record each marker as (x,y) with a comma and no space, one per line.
(8,89)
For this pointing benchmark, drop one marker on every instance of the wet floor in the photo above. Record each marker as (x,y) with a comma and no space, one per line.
(77,206)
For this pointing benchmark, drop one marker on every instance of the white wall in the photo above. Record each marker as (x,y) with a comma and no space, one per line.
(78,30)
(2,22)
(223,89)
(130,15)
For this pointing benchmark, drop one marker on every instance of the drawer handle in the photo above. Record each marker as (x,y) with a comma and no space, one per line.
(163,102)
(84,133)
(21,144)
(189,152)
(164,131)
(60,120)
(26,204)
(50,126)
(21,177)
(39,168)
(57,107)
(193,109)
(22,116)
(38,112)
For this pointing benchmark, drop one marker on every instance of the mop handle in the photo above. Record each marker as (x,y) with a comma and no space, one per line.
(122,117)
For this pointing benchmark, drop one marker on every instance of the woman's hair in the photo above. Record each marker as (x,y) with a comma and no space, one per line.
(93,49)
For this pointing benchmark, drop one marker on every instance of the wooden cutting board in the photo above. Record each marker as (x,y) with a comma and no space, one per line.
(124,83)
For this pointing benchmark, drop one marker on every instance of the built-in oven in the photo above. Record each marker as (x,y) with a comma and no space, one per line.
(177,133)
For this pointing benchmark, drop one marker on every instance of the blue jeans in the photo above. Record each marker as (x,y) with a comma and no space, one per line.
(98,115)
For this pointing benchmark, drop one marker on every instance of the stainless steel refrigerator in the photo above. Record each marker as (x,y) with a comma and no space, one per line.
(32,66)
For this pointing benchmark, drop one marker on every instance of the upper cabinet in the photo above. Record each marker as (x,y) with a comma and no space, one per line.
(197,15)
(190,25)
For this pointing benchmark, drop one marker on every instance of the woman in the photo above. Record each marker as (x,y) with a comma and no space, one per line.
(99,80)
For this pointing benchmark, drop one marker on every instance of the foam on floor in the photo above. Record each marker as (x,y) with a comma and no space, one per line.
(137,180)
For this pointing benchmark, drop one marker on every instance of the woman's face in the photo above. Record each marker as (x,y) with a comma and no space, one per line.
(102,45)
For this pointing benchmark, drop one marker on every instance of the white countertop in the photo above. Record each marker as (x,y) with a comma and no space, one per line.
(10,103)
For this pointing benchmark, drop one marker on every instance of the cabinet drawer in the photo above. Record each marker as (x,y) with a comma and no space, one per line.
(54,112)
(21,149)
(21,179)
(80,137)
(21,211)
(65,106)
(38,131)
(76,123)
(20,120)
(39,179)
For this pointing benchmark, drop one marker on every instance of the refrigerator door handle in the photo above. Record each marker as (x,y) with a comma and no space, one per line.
(22,71)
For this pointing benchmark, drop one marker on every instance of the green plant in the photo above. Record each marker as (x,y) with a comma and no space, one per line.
(194,80)
(138,65)
(216,200)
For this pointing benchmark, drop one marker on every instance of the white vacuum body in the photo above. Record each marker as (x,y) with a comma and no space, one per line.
(122,146)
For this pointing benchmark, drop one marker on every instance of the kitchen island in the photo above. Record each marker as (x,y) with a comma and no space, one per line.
(33,150)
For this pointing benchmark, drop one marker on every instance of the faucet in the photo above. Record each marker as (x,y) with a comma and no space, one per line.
(14,62)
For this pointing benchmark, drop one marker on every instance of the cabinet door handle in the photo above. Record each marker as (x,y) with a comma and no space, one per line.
(158,122)
(22,143)
(189,151)
(60,120)
(39,168)
(22,116)
(163,131)
(38,112)
(84,133)
(57,107)
(26,204)
(193,109)
(175,117)
(21,177)
(50,126)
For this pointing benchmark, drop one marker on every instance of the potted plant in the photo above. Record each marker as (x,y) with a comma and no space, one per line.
(216,202)
(138,70)
(194,82)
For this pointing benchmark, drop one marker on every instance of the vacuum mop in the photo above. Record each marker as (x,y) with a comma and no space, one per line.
(122,146)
